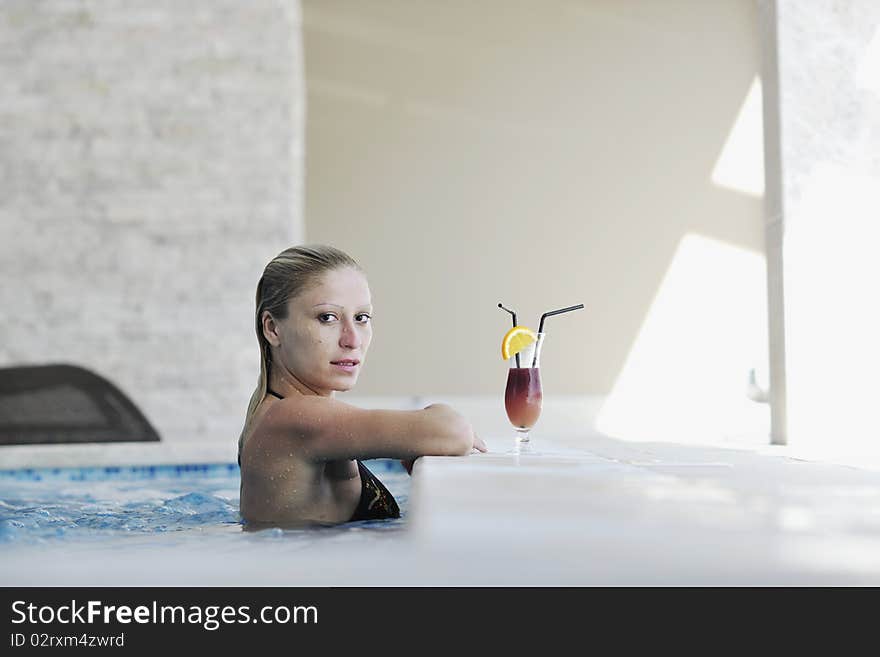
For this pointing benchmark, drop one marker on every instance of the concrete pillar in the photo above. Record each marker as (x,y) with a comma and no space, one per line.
(822,126)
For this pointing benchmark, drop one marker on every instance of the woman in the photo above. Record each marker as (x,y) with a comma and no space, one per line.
(300,448)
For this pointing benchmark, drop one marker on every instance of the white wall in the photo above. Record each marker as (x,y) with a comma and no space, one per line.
(540,154)
(150,165)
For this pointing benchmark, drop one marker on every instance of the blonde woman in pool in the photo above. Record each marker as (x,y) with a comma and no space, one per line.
(300,450)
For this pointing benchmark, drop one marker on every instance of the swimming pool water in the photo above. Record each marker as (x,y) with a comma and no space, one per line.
(113,504)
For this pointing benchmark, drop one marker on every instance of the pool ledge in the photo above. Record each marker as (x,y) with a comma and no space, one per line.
(588,509)
(116,454)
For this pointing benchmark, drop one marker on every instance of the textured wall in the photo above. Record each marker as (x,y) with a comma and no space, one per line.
(150,164)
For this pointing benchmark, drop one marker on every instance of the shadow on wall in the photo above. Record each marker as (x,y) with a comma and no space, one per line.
(691,374)
(42,404)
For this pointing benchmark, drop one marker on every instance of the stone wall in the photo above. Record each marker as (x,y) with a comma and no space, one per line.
(151,162)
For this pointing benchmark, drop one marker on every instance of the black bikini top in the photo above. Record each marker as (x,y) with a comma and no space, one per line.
(377,502)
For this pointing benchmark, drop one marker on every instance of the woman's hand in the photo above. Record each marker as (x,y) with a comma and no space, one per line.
(460,427)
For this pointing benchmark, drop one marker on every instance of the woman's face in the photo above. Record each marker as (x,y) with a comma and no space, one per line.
(324,340)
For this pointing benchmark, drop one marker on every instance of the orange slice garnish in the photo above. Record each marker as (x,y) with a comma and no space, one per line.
(517,339)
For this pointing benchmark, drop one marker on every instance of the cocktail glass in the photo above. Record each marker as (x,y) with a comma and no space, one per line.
(523,396)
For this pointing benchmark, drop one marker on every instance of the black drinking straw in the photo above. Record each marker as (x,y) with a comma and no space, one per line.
(548,314)
(513,315)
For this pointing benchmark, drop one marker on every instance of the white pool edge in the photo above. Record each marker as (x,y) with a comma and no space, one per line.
(116,454)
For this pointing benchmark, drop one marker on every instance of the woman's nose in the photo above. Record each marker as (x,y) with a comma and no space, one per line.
(349,338)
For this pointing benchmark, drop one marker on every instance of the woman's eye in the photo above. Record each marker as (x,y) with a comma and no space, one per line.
(363,318)
(326,317)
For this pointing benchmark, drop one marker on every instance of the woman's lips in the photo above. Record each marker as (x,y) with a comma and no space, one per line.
(345,365)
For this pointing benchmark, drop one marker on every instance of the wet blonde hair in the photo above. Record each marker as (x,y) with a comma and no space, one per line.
(285,277)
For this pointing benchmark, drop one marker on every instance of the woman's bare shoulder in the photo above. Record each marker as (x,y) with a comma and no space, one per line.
(312,418)
(280,427)
(307,412)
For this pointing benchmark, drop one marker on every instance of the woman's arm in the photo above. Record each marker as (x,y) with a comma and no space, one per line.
(326,429)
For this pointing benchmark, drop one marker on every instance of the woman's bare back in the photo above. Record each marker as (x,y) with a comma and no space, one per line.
(281,485)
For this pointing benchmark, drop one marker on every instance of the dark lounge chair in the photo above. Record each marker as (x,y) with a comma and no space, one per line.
(66,404)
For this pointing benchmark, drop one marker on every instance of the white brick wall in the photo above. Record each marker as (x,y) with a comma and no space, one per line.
(151,162)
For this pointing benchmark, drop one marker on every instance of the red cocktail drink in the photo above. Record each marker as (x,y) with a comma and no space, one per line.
(521,348)
(523,396)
